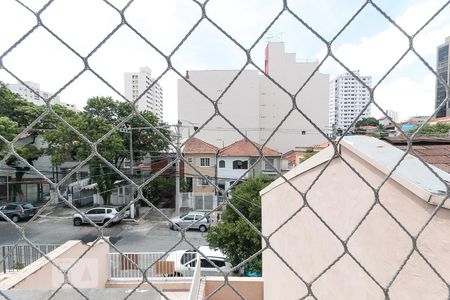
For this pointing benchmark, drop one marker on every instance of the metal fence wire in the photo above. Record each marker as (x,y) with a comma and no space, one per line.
(205,18)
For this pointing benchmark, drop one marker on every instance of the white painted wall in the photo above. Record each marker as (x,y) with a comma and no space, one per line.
(229,174)
(255,105)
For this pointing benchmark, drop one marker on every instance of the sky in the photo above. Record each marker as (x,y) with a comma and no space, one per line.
(370,43)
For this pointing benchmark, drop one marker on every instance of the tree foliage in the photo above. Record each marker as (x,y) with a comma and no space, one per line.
(436,129)
(233,236)
(371,121)
(15,115)
(99,117)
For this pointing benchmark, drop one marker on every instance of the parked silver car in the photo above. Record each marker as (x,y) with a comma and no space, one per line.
(203,222)
(98,215)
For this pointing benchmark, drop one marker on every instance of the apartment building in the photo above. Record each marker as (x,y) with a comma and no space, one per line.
(442,69)
(31,92)
(137,84)
(256,105)
(348,97)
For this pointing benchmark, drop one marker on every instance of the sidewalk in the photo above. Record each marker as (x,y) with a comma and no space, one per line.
(145,213)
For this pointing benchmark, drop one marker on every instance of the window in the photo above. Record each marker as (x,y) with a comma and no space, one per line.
(189,159)
(189,218)
(206,264)
(188,257)
(222,164)
(205,162)
(267,166)
(202,182)
(240,165)
(109,211)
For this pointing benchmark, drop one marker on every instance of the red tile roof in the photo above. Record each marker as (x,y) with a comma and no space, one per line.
(245,148)
(439,120)
(433,150)
(195,145)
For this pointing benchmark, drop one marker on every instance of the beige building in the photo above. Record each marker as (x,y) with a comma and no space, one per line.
(91,275)
(379,244)
(256,105)
(203,157)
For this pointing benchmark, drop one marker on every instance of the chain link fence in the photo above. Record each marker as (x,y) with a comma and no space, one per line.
(139,196)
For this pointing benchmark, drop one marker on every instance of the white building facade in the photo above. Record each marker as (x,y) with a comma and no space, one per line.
(136,83)
(32,92)
(348,97)
(256,105)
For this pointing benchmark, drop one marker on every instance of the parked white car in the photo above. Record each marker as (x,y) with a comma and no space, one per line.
(185,261)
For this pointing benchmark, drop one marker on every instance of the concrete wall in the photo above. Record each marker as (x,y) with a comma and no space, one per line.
(255,105)
(91,271)
(240,105)
(341,198)
(312,100)
(249,288)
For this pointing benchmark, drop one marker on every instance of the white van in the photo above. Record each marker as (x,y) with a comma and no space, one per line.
(185,261)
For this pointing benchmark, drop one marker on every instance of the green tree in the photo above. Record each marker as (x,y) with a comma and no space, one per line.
(308,155)
(15,115)
(100,115)
(233,236)
(435,129)
(367,122)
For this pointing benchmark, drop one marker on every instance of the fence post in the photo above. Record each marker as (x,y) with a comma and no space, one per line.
(4,259)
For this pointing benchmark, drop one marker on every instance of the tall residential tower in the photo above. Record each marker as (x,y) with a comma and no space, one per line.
(442,68)
(137,83)
(348,97)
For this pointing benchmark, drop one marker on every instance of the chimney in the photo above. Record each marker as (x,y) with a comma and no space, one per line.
(187,75)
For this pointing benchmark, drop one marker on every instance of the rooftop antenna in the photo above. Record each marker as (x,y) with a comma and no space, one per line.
(274,36)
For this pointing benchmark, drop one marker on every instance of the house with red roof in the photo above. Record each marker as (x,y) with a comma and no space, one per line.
(202,156)
(240,161)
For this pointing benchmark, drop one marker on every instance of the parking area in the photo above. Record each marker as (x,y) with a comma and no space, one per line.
(150,234)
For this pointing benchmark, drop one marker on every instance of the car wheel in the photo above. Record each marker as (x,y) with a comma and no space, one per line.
(15,219)
(178,274)
(77,222)
(106,221)
(202,228)
(177,227)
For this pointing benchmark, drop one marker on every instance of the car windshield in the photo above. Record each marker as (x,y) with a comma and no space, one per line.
(27,206)
(188,256)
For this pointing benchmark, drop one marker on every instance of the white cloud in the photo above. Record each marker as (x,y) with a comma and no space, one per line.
(406,96)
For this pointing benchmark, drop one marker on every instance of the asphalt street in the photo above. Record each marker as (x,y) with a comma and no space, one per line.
(144,236)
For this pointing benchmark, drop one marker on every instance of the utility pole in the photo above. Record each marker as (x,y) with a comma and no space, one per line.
(130,130)
(177,170)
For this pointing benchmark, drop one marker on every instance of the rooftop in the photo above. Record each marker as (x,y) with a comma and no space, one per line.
(432,149)
(412,173)
(195,145)
(245,148)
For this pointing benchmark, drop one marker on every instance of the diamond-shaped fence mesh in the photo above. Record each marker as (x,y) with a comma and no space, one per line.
(96,154)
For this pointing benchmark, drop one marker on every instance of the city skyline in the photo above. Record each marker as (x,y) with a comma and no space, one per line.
(409,89)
